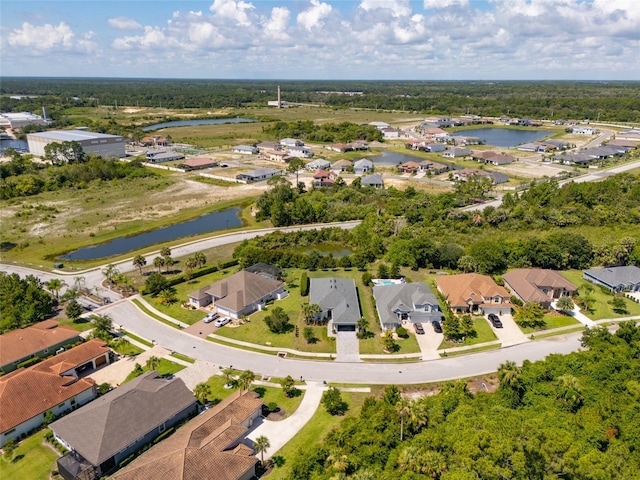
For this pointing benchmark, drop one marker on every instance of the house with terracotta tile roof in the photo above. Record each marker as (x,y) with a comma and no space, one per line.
(493,158)
(474,293)
(55,384)
(105,432)
(209,446)
(42,339)
(538,285)
(240,294)
(324,178)
(410,167)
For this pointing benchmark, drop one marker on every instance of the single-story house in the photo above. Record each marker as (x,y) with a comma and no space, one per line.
(582,130)
(632,134)
(162,156)
(362,166)
(341,166)
(155,140)
(623,143)
(105,432)
(533,147)
(409,167)
(245,149)
(269,146)
(406,302)
(464,174)
(433,167)
(198,163)
(258,175)
(379,125)
(472,292)
(208,446)
(464,140)
(55,384)
(318,164)
(338,300)
(390,132)
(291,142)
(240,294)
(538,285)
(42,340)
(456,153)
(324,178)
(493,158)
(435,147)
(572,158)
(616,279)
(300,152)
(276,156)
(374,180)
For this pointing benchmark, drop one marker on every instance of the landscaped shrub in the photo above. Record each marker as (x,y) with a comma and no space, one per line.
(304,284)
(164,434)
(366,279)
(402,332)
(29,362)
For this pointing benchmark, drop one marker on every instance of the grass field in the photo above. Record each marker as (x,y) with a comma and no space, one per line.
(166,367)
(484,333)
(552,321)
(33,459)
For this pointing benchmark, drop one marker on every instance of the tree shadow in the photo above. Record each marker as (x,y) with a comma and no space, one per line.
(7,246)
(278,460)
(260,391)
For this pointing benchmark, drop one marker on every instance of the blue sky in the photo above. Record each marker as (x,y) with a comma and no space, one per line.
(323,39)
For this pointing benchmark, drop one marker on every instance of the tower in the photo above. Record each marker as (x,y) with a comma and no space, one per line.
(279,102)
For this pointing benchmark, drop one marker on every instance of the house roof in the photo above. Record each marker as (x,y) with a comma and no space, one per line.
(242,289)
(319,163)
(402,298)
(528,283)
(28,392)
(339,295)
(615,276)
(198,162)
(204,445)
(341,163)
(373,179)
(24,342)
(466,288)
(363,162)
(102,428)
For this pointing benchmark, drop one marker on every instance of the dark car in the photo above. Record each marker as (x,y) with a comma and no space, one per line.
(495,320)
(436,326)
(418,328)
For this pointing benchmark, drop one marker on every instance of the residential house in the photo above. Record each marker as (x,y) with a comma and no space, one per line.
(572,158)
(410,167)
(616,279)
(362,166)
(623,143)
(464,140)
(276,156)
(239,294)
(456,152)
(632,135)
(300,152)
(198,163)
(338,300)
(434,167)
(341,166)
(392,132)
(538,285)
(493,158)
(583,130)
(105,432)
(435,147)
(318,164)
(258,175)
(262,146)
(266,270)
(464,175)
(55,384)
(374,180)
(379,125)
(406,302)
(42,340)
(324,178)
(155,141)
(163,156)
(245,149)
(291,142)
(208,446)
(471,292)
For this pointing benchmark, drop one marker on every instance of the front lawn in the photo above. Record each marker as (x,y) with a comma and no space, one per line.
(552,320)
(166,367)
(33,459)
(484,333)
(82,324)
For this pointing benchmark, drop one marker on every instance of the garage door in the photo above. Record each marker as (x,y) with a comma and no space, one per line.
(346,328)
(101,361)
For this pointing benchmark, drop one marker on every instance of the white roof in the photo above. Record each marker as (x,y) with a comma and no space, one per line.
(72,135)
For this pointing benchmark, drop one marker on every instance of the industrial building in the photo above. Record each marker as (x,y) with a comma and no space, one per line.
(20,119)
(107,146)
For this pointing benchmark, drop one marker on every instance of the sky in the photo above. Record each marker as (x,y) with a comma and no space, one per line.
(323,39)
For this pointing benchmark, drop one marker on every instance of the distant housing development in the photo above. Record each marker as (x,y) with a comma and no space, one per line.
(108,146)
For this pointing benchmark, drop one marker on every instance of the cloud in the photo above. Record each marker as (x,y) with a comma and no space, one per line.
(43,39)
(124,23)
(439,4)
(232,10)
(153,38)
(313,16)
(399,8)
(278,23)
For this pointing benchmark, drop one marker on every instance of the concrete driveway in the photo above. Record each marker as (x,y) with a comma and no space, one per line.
(116,373)
(510,333)
(429,342)
(347,347)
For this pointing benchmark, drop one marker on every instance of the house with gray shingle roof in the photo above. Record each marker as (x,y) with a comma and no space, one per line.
(406,302)
(362,166)
(374,180)
(616,279)
(338,299)
(106,431)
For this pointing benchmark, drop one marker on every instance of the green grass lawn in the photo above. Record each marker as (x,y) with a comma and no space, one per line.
(552,321)
(484,333)
(34,459)
(314,432)
(130,350)
(166,367)
(81,324)
(601,307)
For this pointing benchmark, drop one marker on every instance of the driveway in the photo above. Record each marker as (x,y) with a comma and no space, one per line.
(429,342)
(347,347)
(510,333)
(116,373)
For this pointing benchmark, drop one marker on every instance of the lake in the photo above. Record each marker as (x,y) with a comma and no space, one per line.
(210,222)
(503,137)
(394,158)
(190,123)
(326,250)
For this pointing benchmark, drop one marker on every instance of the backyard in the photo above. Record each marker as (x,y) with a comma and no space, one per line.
(33,459)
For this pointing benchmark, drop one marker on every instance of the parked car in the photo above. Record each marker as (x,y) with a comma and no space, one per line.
(495,320)
(418,328)
(221,322)
(211,317)
(436,326)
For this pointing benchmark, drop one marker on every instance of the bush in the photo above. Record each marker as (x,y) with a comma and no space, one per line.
(304,284)
(164,434)
(273,407)
(29,362)
(366,279)
(402,332)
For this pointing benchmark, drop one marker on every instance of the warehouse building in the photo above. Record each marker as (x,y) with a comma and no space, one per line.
(107,146)
(20,119)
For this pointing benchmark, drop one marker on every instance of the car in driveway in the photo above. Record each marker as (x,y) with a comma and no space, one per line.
(436,326)
(418,328)
(211,317)
(495,320)
(221,322)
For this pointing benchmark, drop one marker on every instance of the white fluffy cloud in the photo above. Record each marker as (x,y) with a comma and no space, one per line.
(399,8)
(438,4)
(124,23)
(314,16)
(237,11)
(44,39)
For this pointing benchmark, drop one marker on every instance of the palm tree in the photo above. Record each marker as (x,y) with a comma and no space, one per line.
(158,263)
(200,259)
(167,296)
(120,344)
(565,304)
(190,264)
(261,445)
(78,282)
(310,311)
(55,285)
(228,375)
(245,379)
(139,261)
(202,391)
(153,363)
(404,408)
(111,272)
(570,392)
(509,374)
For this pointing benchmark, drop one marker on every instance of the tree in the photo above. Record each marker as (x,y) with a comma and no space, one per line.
(565,304)
(111,272)
(310,312)
(295,164)
(139,261)
(201,392)
(158,263)
(103,325)
(120,344)
(155,283)
(309,336)
(333,402)
(261,445)
(55,285)
(190,264)
(9,447)
(363,326)
(153,363)
(229,374)
(510,377)
(73,310)
(278,321)
(569,392)
(245,379)
(531,314)
(48,418)
(167,296)
(388,342)
(467,263)
(383,271)
(288,386)
(200,258)
(403,407)
(619,305)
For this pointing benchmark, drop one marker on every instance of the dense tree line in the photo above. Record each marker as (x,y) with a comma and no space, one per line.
(571,416)
(344,132)
(23,301)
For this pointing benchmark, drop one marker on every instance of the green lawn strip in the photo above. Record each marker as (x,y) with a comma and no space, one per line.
(33,459)
(471,350)
(137,339)
(166,367)
(559,332)
(314,432)
(601,306)
(81,325)
(182,357)
(391,359)
(484,333)
(142,307)
(551,322)
(130,350)
(257,349)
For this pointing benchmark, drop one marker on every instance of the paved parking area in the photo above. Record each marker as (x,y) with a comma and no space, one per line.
(429,342)
(197,373)
(510,333)
(115,373)
(347,347)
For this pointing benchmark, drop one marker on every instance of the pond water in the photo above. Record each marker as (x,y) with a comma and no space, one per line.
(203,121)
(210,222)
(394,158)
(326,250)
(503,137)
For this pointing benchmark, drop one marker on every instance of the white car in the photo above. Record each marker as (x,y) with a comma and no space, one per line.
(221,321)
(211,317)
